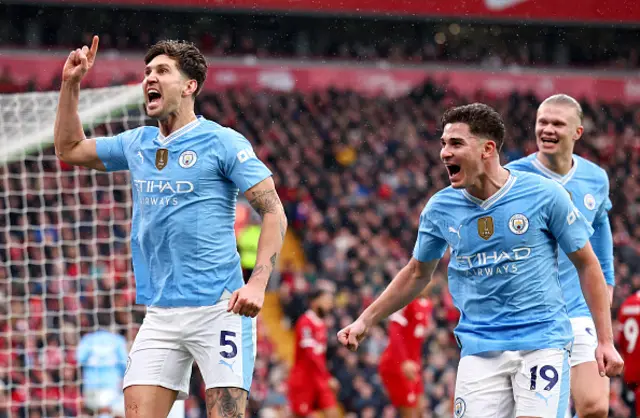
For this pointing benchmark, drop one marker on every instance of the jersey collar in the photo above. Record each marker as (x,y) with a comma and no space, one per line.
(552,174)
(486,204)
(180,132)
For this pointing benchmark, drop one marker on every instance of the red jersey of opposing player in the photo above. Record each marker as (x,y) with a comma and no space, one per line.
(309,388)
(407,332)
(628,338)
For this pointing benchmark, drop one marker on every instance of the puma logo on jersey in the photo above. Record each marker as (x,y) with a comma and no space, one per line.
(455,231)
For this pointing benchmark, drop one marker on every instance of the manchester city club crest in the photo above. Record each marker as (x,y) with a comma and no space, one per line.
(187,159)
(459,408)
(518,224)
(589,201)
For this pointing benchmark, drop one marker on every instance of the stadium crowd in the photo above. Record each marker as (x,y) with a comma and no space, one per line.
(401,41)
(353,173)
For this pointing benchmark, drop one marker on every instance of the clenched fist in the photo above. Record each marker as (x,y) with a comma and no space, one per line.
(351,335)
(247,301)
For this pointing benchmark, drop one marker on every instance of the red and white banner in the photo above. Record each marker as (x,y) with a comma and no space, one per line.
(553,10)
(368,81)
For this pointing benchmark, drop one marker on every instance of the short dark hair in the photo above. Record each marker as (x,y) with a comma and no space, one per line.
(189,58)
(483,121)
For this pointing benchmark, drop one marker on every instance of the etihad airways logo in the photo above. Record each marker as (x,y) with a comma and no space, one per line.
(485,263)
(165,188)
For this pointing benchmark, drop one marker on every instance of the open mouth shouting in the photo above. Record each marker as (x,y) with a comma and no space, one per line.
(454,172)
(154,98)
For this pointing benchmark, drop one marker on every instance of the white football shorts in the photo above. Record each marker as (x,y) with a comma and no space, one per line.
(222,344)
(585,341)
(507,384)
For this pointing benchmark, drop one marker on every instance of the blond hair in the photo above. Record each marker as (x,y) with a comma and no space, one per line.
(565,99)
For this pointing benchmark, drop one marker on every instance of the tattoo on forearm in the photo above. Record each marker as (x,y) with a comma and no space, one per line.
(266,201)
(273,259)
(226,402)
(259,269)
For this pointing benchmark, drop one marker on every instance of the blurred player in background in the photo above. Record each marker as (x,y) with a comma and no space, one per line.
(311,387)
(628,333)
(186,174)
(558,127)
(503,229)
(400,365)
(102,357)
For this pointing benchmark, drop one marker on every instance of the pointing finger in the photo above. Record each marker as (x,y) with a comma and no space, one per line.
(94,46)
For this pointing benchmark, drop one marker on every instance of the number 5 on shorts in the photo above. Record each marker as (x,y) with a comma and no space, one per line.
(225,341)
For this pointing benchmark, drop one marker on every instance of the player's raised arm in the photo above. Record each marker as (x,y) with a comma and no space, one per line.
(264,199)
(404,288)
(71,145)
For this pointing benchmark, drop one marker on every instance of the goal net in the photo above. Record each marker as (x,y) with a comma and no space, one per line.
(64,254)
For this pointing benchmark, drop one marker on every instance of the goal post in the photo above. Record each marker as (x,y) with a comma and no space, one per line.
(64,248)
(27,119)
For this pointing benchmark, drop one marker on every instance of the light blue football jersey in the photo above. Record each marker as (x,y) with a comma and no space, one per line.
(503,270)
(588,187)
(103,357)
(185,188)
